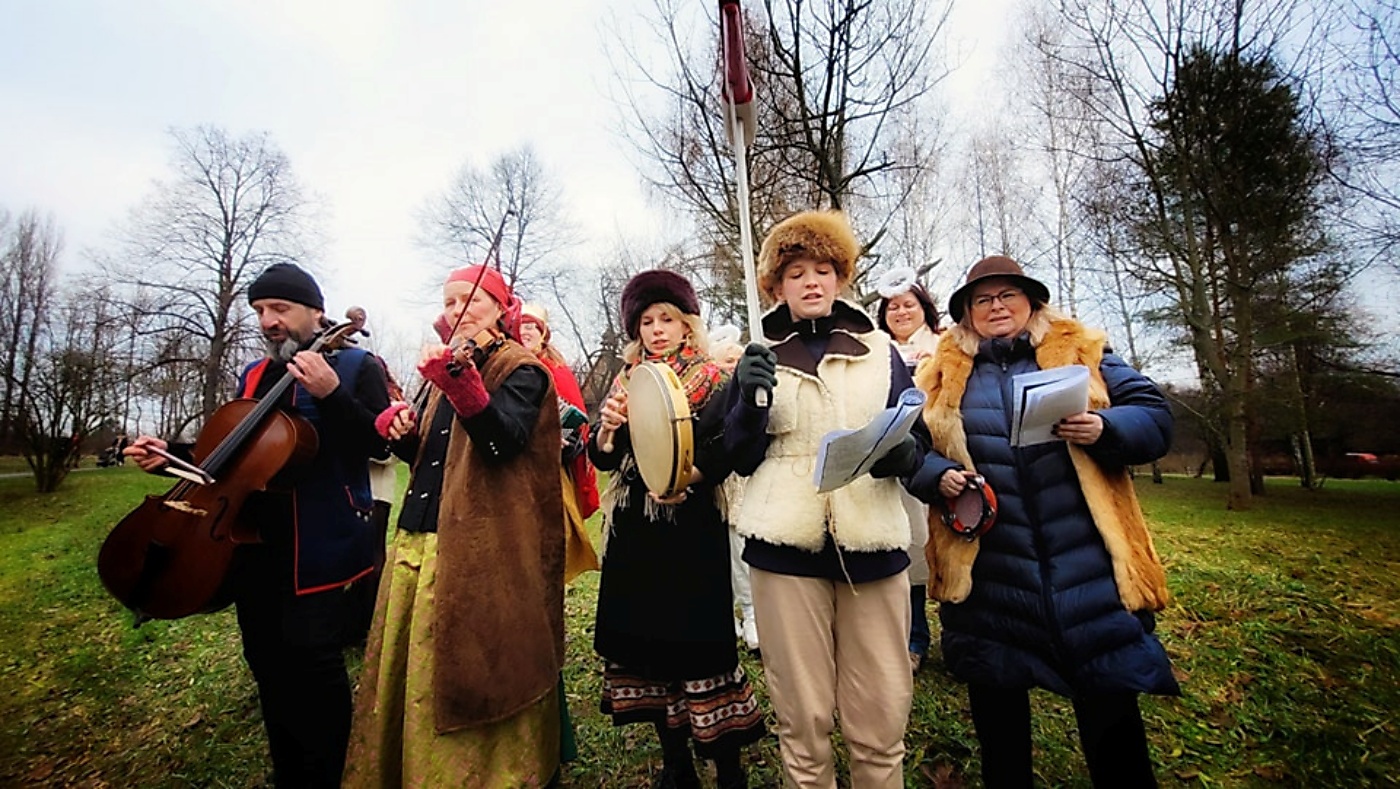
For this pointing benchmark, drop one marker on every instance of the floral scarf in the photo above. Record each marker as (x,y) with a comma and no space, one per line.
(700,376)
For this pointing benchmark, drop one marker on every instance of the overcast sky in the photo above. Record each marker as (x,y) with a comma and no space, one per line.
(377,105)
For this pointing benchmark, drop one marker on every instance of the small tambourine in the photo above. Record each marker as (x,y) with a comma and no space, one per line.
(972,512)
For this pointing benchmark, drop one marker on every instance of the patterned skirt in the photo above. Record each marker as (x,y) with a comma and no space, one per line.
(393,741)
(719,712)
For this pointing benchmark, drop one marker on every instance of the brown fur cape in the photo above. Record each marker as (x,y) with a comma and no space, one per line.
(499,606)
(1109,492)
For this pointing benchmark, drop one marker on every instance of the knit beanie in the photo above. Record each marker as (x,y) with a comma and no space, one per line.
(289,282)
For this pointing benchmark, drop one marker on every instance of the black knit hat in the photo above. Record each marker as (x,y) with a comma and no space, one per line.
(650,287)
(287,281)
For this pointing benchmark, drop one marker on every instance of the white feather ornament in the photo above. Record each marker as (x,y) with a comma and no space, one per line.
(896,281)
(722,335)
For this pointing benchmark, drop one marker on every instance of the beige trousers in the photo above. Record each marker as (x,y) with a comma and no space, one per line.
(829,651)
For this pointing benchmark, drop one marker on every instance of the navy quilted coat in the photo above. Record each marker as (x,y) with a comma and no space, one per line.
(1044,610)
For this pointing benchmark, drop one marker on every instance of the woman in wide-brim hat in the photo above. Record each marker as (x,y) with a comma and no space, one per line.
(1060,593)
(461,684)
(664,624)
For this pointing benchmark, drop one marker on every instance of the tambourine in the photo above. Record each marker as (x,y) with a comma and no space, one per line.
(972,512)
(658,418)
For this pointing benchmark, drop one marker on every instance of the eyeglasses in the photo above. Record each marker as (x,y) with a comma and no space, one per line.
(1006,297)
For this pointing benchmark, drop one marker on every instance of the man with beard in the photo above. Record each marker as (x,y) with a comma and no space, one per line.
(295,591)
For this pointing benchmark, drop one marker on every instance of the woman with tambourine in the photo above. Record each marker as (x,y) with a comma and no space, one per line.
(461,679)
(665,610)
(1060,592)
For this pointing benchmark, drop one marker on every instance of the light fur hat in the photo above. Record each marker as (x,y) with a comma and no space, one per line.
(819,235)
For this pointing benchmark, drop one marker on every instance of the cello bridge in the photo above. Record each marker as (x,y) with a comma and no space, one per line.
(184,506)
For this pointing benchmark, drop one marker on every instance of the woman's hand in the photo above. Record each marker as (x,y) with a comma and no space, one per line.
(614,413)
(612,416)
(679,496)
(431,351)
(405,424)
(1081,429)
(952,483)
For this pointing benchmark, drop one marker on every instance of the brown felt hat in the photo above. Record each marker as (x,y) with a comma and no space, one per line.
(996,266)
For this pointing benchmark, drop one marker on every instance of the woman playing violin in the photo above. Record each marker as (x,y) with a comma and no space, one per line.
(461,681)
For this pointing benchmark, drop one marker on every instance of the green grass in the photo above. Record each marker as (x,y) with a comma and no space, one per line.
(1285,632)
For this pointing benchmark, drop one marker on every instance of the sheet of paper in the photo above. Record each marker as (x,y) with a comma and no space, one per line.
(1043,398)
(844,455)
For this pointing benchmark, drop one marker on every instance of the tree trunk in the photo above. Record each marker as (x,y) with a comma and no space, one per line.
(1156,472)
(1307,467)
(1240,496)
(1307,464)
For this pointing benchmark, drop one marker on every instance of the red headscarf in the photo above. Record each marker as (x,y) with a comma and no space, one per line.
(495,286)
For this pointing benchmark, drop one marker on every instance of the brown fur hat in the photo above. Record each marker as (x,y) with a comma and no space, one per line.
(818,235)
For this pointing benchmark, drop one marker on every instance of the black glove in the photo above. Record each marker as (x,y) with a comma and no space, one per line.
(757,369)
(901,461)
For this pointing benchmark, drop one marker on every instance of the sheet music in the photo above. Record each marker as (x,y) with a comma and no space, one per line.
(1043,398)
(844,455)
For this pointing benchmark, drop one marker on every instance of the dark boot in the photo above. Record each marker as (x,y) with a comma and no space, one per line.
(678,767)
(730,772)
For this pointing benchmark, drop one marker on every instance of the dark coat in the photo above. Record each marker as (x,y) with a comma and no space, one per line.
(323,530)
(665,607)
(1044,609)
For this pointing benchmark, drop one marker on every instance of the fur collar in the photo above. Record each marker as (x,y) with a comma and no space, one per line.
(1109,493)
(843,329)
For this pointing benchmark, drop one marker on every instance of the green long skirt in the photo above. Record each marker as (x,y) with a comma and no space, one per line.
(393,742)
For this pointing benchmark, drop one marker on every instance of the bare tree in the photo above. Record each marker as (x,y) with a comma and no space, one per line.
(1062,136)
(1190,94)
(837,84)
(514,188)
(1366,118)
(231,207)
(999,216)
(74,389)
(28,257)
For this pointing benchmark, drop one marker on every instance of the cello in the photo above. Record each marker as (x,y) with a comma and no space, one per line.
(168,558)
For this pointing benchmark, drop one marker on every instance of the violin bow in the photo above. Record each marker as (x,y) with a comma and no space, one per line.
(493,251)
(420,399)
(737,95)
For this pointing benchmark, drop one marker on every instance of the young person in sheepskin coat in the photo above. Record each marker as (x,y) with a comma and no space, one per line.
(1060,593)
(828,570)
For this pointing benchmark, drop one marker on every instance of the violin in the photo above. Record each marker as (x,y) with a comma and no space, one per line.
(169,557)
(465,350)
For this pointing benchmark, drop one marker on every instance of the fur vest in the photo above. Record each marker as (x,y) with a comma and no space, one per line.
(845,389)
(499,607)
(1109,492)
